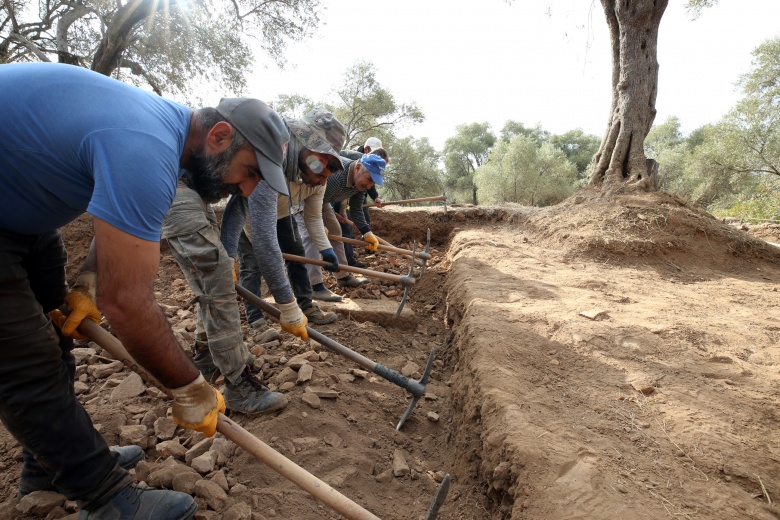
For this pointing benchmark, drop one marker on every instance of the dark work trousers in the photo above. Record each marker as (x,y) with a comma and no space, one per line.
(38,404)
(289,242)
(349,250)
(249,276)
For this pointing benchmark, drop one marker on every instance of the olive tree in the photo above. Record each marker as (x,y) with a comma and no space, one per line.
(366,108)
(167,45)
(521,171)
(463,154)
(413,171)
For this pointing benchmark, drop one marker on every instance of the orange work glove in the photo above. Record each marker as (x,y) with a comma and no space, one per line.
(292,320)
(81,304)
(197,406)
(373,241)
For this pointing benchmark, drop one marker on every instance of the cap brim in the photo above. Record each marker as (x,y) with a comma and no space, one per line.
(376,178)
(272,174)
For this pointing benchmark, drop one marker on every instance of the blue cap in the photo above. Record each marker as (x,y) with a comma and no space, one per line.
(375,166)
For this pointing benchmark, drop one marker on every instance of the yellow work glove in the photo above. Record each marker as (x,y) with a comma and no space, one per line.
(197,405)
(373,241)
(292,320)
(81,304)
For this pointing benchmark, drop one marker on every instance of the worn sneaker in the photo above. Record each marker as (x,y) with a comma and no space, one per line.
(36,479)
(204,361)
(262,331)
(318,316)
(141,503)
(351,281)
(251,397)
(325,295)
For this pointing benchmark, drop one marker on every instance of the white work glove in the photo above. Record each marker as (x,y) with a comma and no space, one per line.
(373,241)
(292,320)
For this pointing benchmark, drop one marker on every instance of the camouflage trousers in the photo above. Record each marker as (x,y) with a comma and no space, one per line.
(192,231)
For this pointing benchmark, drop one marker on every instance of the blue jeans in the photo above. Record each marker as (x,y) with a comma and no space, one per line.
(38,405)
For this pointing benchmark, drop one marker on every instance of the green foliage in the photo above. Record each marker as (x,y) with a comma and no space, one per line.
(170,46)
(762,203)
(666,144)
(662,137)
(695,7)
(413,171)
(293,106)
(732,166)
(512,128)
(521,171)
(366,108)
(463,154)
(578,147)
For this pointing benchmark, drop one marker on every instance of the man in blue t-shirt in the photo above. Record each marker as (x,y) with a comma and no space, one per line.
(74,141)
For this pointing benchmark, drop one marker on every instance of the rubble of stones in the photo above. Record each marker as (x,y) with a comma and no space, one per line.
(187,461)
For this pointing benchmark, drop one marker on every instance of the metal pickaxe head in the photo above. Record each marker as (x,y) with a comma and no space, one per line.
(427,254)
(410,275)
(438,498)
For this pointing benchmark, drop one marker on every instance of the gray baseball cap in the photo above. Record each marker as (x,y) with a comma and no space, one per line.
(264,128)
(319,131)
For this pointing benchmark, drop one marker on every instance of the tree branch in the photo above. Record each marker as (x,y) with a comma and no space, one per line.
(29,45)
(138,70)
(120,33)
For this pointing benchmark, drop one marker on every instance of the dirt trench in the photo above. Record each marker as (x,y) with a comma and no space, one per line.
(601,360)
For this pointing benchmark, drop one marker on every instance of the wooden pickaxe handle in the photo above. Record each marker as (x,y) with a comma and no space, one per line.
(231,430)
(408,201)
(382,246)
(404,279)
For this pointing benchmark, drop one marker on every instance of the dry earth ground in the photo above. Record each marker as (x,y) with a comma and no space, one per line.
(598,359)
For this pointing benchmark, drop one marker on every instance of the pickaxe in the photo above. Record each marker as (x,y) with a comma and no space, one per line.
(407,279)
(261,451)
(382,247)
(425,255)
(408,201)
(416,388)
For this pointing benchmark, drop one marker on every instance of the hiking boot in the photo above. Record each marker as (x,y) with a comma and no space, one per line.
(325,295)
(263,333)
(203,360)
(360,264)
(251,397)
(142,503)
(318,316)
(351,281)
(36,479)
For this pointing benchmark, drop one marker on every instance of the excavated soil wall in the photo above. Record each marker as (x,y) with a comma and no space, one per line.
(633,376)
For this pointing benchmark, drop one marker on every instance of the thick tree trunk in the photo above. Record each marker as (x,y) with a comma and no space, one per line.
(620,162)
(121,30)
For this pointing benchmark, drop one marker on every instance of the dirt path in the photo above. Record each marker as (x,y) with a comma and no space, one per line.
(661,402)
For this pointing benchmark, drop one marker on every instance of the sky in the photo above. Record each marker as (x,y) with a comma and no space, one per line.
(544,62)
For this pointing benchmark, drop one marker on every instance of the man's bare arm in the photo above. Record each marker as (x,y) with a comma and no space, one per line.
(90,262)
(127,267)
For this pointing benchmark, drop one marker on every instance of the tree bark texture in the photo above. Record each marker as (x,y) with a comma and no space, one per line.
(620,162)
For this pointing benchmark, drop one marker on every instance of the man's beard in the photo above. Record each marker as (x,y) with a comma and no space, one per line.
(207,173)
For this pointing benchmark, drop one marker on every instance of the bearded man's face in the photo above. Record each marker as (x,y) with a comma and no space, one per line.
(208,173)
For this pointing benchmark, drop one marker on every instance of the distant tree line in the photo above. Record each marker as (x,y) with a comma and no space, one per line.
(731,167)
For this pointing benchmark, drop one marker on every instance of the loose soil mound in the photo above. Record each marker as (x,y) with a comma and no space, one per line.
(598,359)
